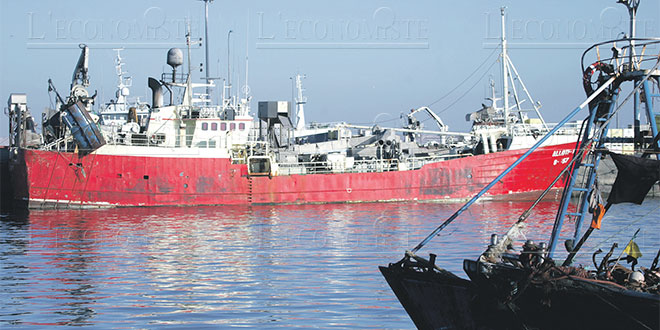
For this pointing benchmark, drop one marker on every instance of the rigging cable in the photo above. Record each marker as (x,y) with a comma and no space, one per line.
(467,91)
(455,88)
(467,78)
(462,95)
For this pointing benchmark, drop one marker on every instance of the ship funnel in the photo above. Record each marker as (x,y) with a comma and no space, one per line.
(174,59)
(156,92)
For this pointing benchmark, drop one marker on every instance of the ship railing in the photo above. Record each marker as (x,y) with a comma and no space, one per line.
(180,77)
(625,54)
(361,166)
(331,124)
(572,128)
(324,167)
(226,140)
(128,139)
(414,163)
(59,143)
(527,128)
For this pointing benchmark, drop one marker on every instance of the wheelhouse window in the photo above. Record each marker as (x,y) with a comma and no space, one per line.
(232,126)
(205,126)
(214,126)
(241,126)
(223,126)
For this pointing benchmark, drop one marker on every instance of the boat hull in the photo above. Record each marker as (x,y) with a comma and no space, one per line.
(432,300)
(437,299)
(5,185)
(44,179)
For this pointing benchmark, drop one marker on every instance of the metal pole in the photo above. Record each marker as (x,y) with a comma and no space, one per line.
(247,52)
(206,39)
(650,114)
(637,133)
(592,174)
(228,66)
(505,73)
(188,80)
(632,10)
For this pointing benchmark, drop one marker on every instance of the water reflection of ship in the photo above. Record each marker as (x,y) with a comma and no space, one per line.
(71,245)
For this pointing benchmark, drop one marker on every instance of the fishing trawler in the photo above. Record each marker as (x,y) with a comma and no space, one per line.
(530,288)
(189,151)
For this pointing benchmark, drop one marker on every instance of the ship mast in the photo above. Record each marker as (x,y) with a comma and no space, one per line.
(300,103)
(229,64)
(122,84)
(505,73)
(632,11)
(206,44)
(510,75)
(246,88)
(188,94)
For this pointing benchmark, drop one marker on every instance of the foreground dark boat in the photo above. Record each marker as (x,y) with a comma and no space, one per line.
(501,296)
(531,288)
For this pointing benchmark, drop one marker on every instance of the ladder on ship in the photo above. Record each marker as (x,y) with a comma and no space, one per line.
(591,149)
(249,192)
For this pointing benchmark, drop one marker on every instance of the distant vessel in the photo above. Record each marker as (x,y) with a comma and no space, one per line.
(530,288)
(191,152)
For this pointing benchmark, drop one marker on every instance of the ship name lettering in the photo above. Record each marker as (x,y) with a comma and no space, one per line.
(559,153)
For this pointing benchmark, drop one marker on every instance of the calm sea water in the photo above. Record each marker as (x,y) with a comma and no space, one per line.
(311,266)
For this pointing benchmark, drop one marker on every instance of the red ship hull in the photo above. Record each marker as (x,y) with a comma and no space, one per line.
(57,179)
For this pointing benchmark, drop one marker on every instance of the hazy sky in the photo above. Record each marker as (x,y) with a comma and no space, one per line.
(365,61)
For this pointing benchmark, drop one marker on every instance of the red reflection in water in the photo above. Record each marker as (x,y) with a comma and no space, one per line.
(179,260)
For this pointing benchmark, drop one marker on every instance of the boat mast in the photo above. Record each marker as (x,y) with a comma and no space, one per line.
(228,65)
(300,102)
(510,75)
(206,44)
(188,93)
(246,88)
(121,91)
(632,11)
(505,73)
